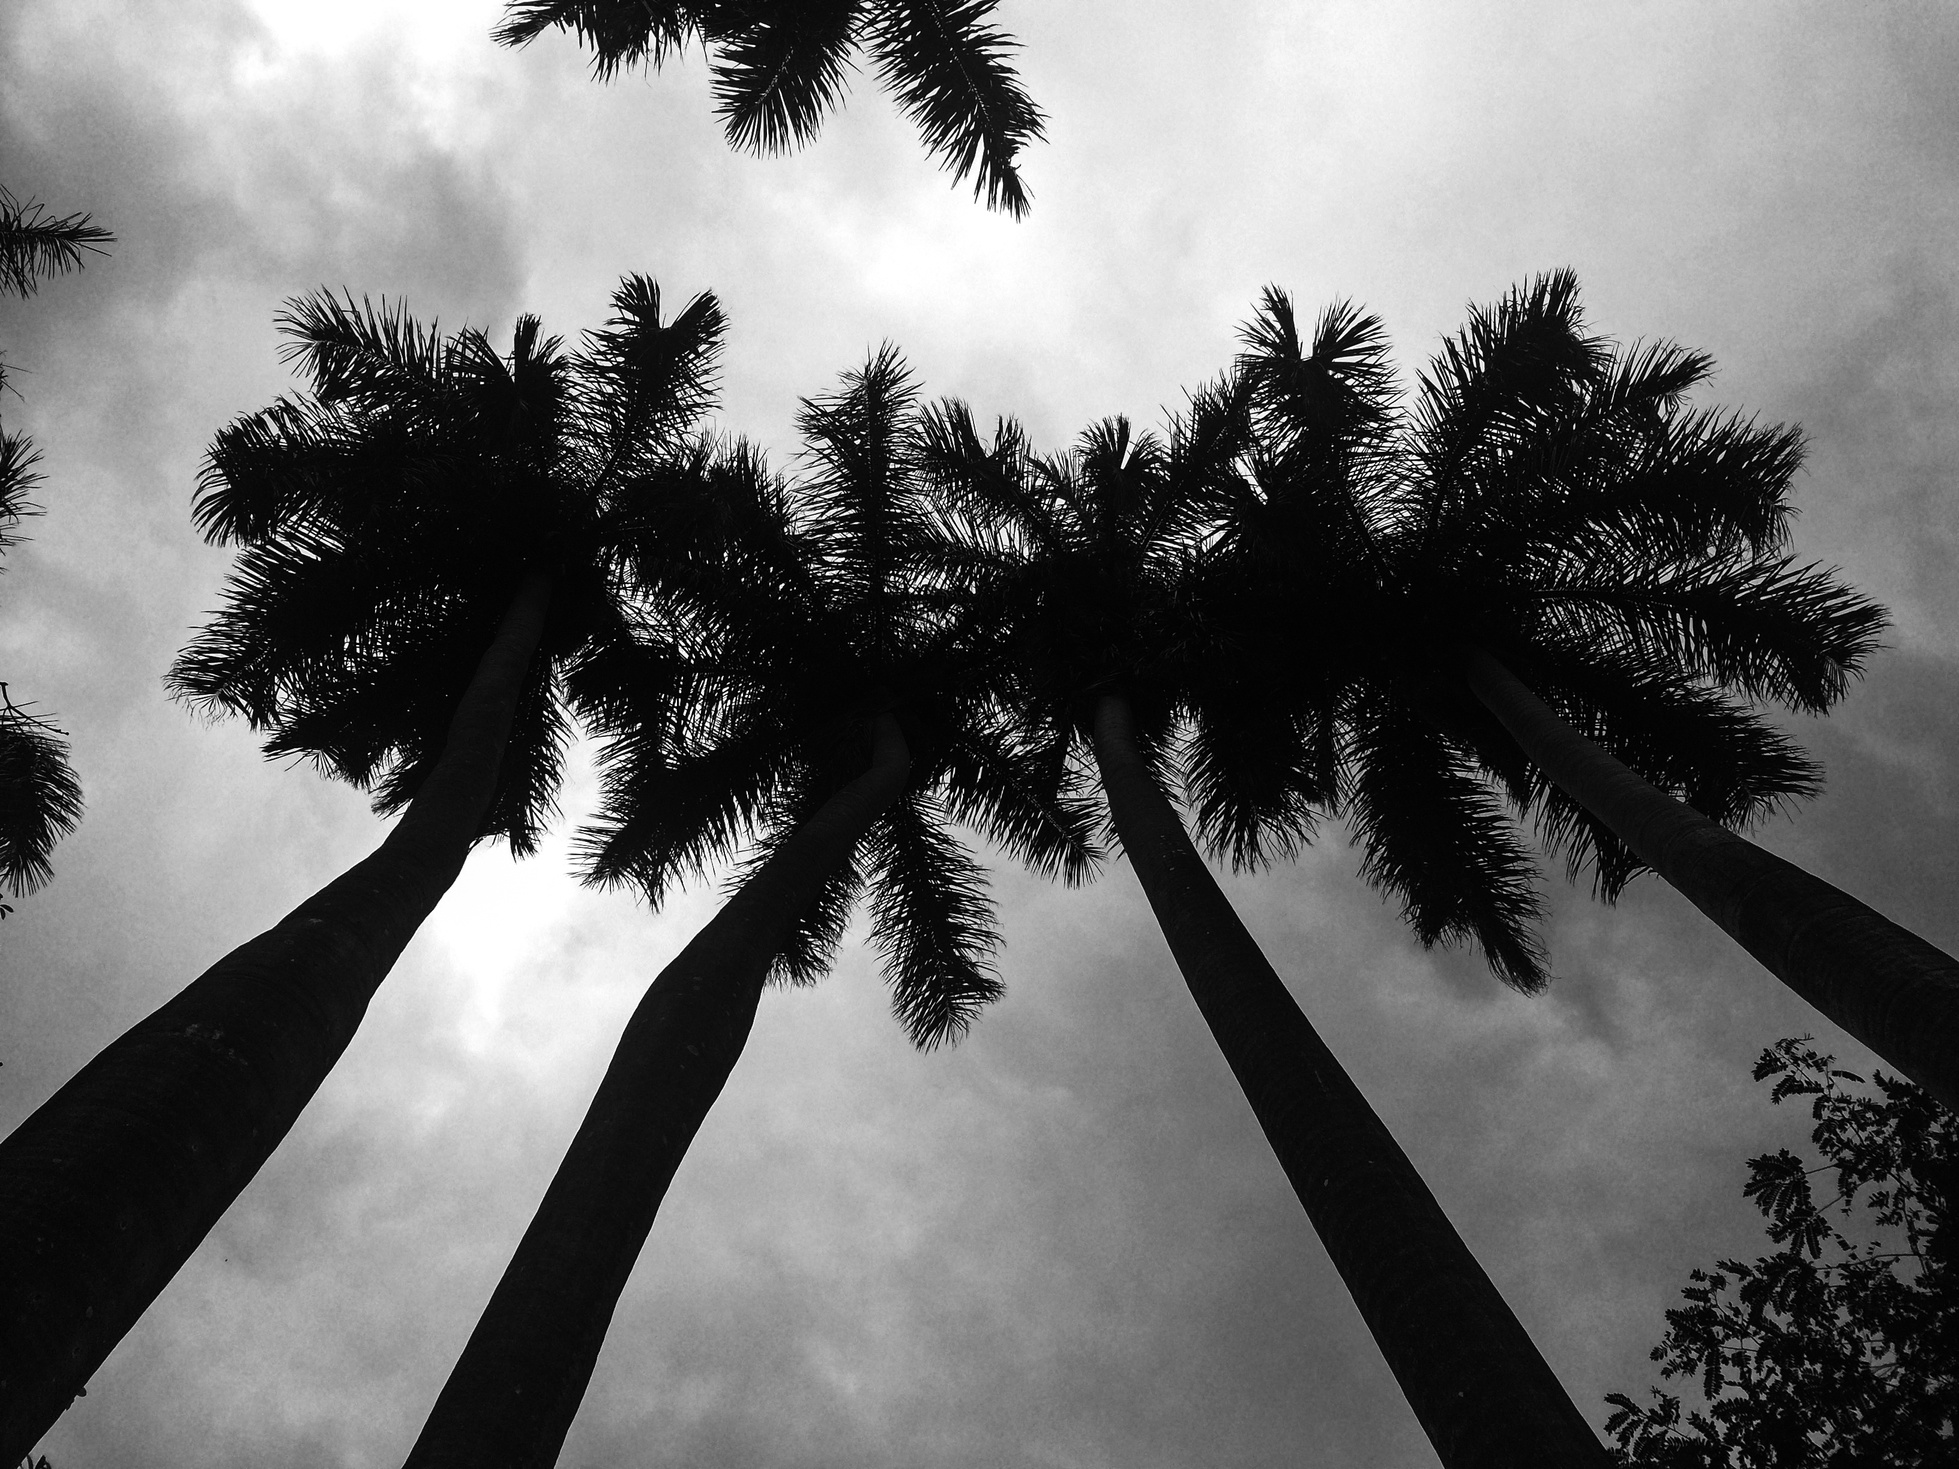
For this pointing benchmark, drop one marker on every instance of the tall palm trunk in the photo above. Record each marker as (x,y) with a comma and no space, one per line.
(1896,993)
(1479,1387)
(514,1391)
(106,1190)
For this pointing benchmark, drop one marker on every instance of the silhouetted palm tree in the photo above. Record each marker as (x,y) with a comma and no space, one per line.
(1579,585)
(1089,563)
(426,539)
(40,799)
(833,719)
(780,65)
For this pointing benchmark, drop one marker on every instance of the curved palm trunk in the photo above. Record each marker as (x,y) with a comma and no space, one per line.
(106,1190)
(511,1398)
(1885,985)
(1479,1387)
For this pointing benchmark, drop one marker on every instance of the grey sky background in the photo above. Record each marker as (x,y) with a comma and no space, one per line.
(1063,1243)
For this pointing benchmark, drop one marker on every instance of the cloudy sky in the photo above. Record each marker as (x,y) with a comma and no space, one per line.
(1063,1243)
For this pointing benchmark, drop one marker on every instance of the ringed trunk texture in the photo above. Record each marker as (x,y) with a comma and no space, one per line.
(1885,985)
(1478,1385)
(109,1187)
(513,1394)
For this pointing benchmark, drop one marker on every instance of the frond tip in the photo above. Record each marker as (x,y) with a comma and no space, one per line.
(951,73)
(34,243)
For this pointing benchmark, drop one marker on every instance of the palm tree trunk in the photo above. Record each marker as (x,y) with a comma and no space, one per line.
(511,1398)
(1478,1385)
(106,1190)
(1889,988)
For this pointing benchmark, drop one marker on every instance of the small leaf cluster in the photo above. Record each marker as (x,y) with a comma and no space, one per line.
(1840,1347)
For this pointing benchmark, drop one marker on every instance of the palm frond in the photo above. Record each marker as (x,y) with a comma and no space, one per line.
(665,815)
(1627,476)
(300,467)
(621,33)
(1019,791)
(932,923)
(952,74)
(780,73)
(990,486)
(1773,630)
(36,243)
(1434,835)
(859,499)
(374,357)
(18,456)
(1259,771)
(1493,382)
(647,381)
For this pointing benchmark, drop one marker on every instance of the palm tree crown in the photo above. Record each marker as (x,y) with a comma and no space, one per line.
(818,612)
(780,66)
(386,520)
(1554,499)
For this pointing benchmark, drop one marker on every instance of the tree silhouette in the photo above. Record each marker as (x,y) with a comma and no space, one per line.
(1832,1351)
(1326,560)
(1579,585)
(779,66)
(832,719)
(1092,565)
(425,539)
(40,799)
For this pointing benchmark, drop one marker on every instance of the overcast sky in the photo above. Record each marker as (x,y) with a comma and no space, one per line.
(1063,1243)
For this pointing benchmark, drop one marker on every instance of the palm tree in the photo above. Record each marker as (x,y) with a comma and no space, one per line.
(1572,570)
(1088,562)
(425,541)
(780,66)
(831,719)
(40,799)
